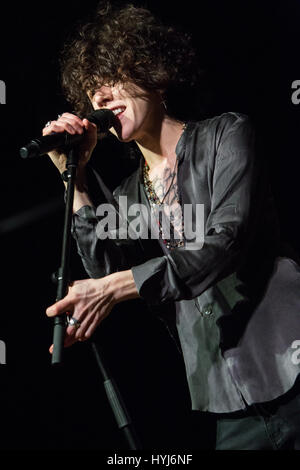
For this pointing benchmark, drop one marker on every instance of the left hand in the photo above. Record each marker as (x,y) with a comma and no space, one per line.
(89,301)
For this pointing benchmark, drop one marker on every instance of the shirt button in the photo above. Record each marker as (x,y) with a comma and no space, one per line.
(207,310)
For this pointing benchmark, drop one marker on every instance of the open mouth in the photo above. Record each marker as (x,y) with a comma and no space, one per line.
(119,111)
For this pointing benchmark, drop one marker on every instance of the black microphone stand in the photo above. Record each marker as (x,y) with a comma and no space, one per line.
(63,275)
(60,321)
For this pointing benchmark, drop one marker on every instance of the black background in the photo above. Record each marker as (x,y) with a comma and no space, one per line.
(251,51)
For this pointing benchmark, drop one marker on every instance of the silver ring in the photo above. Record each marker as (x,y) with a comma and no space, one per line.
(48,124)
(74,322)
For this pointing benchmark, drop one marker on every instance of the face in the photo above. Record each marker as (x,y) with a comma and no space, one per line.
(137,111)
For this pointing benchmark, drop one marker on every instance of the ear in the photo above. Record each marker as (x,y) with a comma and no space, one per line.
(162,94)
(162,99)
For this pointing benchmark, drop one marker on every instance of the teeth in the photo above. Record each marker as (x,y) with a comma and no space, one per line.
(118,111)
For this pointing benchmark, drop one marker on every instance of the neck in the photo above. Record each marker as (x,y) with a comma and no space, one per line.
(158,144)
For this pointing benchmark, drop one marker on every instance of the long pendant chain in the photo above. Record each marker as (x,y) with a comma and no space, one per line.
(150,188)
(155,201)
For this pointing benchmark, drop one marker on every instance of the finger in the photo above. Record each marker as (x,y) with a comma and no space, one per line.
(70,338)
(67,343)
(65,126)
(90,324)
(80,333)
(91,132)
(81,339)
(90,330)
(48,129)
(78,126)
(62,306)
(77,331)
(56,127)
(72,329)
(89,126)
(71,117)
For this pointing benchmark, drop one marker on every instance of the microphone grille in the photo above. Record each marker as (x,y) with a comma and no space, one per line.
(103,118)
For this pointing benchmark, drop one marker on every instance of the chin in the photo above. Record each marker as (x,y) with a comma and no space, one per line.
(123,133)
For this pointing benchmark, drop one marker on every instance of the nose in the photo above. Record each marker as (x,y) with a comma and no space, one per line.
(102,97)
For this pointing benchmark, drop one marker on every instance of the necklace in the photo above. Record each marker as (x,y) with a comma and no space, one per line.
(149,185)
(150,188)
(155,201)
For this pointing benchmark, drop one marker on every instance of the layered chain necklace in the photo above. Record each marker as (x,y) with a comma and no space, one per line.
(154,201)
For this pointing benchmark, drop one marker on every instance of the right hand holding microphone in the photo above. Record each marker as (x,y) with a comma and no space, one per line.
(72,124)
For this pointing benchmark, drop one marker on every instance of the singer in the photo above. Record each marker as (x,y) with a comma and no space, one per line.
(235,299)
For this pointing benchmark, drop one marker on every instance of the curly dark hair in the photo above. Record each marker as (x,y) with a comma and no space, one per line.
(127,44)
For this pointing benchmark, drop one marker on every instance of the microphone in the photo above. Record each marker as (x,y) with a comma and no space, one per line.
(103,118)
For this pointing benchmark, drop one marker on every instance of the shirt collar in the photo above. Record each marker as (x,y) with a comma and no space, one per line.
(179,150)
